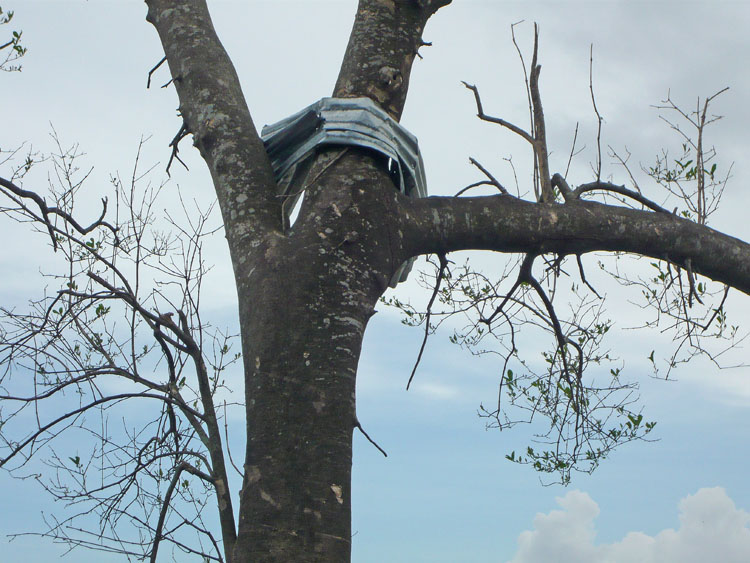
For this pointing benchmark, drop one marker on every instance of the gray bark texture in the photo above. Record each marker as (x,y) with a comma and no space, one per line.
(305,295)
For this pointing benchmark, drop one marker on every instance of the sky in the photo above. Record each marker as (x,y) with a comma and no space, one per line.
(445,493)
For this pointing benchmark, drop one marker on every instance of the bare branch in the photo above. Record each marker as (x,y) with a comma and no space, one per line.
(622,190)
(492,180)
(438,279)
(358,425)
(153,70)
(540,131)
(598,117)
(214,110)
(47,211)
(484,117)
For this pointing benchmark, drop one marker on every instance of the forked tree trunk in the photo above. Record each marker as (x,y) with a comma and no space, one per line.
(305,296)
(303,311)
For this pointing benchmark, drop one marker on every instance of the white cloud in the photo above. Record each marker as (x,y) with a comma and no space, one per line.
(711,528)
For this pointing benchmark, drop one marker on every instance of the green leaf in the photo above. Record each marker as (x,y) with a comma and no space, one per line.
(635,420)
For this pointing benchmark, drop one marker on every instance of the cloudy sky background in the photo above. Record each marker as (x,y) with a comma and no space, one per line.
(445,493)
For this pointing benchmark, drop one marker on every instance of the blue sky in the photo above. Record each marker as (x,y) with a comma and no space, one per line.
(445,493)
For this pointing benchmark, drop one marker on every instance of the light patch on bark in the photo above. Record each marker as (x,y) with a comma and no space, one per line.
(319,405)
(315,513)
(252,474)
(436,216)
(167,13)
(266,497)
(338,493)
(222,491)
(257,362)
(352,321)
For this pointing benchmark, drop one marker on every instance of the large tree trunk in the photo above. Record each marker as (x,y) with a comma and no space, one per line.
(303,313)
(305,296)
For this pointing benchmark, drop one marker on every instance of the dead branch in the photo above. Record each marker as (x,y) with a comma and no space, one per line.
(598,116)
(484,117)
(540,132)
(358,425)
(175,145)
(492,180)
(153,70)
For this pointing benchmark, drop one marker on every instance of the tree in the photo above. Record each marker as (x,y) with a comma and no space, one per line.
(302,370)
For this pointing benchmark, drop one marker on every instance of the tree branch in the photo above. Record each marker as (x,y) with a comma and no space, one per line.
(428,315)
(490,119)
(609,187)
(383,44)
(215,112)
(47,211)
(540,131)
(499,223)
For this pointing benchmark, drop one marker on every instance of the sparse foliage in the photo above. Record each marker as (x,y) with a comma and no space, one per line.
(121,333)
(577,397)
(11,49)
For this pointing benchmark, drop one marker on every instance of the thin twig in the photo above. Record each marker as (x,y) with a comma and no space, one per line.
(358,425)
(717,309)
(153,70)
(226,437)
(181,134)
(440,274)
(572,151)
(691,281)
(484,117)
(492,179)
(163,511)
(473,185)
(622,190)
(598,116)
(46,211)
(583,276)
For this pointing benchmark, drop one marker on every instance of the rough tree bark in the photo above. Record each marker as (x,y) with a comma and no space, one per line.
(305,296)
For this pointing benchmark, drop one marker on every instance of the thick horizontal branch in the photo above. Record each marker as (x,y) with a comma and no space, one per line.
(506,224)
(214,110)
